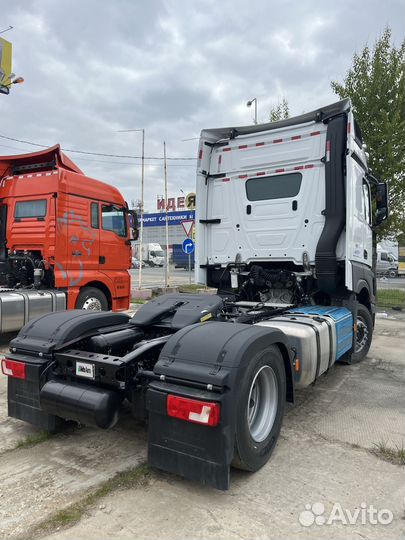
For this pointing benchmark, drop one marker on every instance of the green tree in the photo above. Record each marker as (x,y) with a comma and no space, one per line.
(279,111)
(375,84)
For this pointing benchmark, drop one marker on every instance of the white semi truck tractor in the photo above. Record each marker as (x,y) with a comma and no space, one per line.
(285,224)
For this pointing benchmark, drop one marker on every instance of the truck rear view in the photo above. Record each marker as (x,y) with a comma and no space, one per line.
(284,232)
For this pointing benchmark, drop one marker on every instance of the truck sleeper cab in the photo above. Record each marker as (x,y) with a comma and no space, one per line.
(62,231)
(212,373)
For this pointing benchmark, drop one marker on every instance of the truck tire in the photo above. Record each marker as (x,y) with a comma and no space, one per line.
(92,299)
(364,334)
(260,410)
(392,273)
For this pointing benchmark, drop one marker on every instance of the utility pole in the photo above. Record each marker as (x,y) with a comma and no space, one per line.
(142,208)
(167,280)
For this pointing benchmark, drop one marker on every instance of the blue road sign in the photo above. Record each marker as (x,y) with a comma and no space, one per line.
(188,246)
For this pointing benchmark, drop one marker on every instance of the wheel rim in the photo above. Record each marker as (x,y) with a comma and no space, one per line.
(362,333)
(262,403)
(92,304)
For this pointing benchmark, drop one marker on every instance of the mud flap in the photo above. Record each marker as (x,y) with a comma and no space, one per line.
(206,361)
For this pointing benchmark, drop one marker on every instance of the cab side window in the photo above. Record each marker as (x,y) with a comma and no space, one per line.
(95,215)
(113,219)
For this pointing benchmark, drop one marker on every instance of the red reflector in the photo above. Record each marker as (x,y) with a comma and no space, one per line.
(12,368)
(298,167)
(308,166)
(315,133)
(349,127)
(279,170)
(191,410)
(243,176)
(260,144)
(296,137)
(225,179)
(227,149)
(277,141)
(200,154)
(242,146)
(260,173)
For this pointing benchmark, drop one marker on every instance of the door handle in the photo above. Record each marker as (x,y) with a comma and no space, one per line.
(249,209)
(365,254)
(207,221)
(101,259)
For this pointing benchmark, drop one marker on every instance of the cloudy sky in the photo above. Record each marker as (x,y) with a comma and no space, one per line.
(173,67)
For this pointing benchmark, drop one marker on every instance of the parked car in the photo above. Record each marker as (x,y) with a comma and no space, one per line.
(135,263)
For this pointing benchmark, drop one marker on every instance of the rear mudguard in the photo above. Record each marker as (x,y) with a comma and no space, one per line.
(204,361)
(35,346)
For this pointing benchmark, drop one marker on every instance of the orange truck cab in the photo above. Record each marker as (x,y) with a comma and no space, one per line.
(62,231)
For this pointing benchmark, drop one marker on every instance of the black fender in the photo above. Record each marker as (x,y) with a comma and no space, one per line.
(205,361)
(34,345)
(49,332)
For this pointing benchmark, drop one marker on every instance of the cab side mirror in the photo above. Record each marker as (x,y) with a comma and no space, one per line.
(381,199)
(134,224)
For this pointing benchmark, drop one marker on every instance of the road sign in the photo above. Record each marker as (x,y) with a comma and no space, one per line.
(187,226)
(188,246)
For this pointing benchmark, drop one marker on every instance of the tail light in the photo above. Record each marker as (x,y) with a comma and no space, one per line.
(191,410)
(12,368)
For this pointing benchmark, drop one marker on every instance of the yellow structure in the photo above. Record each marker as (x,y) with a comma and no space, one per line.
(5,65)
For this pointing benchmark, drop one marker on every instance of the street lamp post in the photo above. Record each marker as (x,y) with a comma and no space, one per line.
(142,199)
(249,104)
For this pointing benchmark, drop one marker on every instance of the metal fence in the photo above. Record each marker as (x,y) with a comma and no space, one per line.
(391,293)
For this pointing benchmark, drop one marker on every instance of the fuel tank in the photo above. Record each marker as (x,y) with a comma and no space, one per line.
(318,337)
(19,306)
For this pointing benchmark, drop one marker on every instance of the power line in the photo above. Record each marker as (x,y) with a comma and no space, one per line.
(97,153)
(134,164)
(112,162)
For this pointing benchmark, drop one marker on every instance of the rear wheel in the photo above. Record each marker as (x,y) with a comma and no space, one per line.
(260,410)
(364,334)
(92,299)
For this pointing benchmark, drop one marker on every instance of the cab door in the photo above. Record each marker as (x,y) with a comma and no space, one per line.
(114,245)
(82,238)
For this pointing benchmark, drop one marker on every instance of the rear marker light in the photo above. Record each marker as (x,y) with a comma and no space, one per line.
(191,410)
(296,137)
(277,141)
(328,150)
(200,154)
(243,176)
(309,166)
(12,368)
(279,170)
(260,173)
(242,146)
(260,144)
(314,133)
(227,149)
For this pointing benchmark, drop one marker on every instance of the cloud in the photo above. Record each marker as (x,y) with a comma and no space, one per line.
(93,67)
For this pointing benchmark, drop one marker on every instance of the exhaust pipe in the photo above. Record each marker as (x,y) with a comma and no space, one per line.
(90,406)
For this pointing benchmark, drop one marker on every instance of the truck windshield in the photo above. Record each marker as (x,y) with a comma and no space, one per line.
(30,209)
(113,219)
